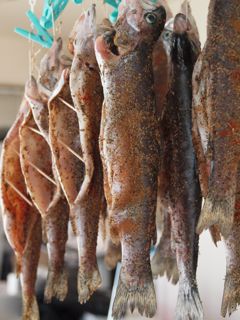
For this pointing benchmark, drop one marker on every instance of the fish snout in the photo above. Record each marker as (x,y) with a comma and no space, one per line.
(181,24)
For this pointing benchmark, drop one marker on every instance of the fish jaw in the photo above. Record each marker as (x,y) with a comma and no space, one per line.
(81,36)
(31,89)
(51,67)
(138,24)
(185,48)
(134,28)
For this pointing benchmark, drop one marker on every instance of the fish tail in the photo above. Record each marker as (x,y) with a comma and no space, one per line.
(113,255)
(88,282)
(231,294)
(218,212)
(142,298)
(56,286)
(30,308)
(162,264)
(189,305)
(215,234)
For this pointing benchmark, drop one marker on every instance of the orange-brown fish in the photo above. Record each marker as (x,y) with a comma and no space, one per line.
(66,147)
(130,147)
(21,220)
(87,95)
(179,156)
(45,190)
(216,115)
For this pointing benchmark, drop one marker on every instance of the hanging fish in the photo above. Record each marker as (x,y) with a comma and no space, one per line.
(216,115)
(184,188)
(45,190)
(164,259)
(87,94)
(65,144)
(129,146)
(21,220)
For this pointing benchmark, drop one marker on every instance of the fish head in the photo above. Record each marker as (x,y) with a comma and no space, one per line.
(140,23)
(81,39)
(166,36)
(31,89)
(184,47)
(50,68)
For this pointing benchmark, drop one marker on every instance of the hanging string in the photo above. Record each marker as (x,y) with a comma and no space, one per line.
(58,26)
(53,22)
(32,4)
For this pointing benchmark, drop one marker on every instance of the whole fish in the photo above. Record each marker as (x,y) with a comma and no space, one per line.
(216,115)
(45,190)
(164,259)
(87,95)
(129,146)
(21,220)
(184,192)
(66,148)
(55,207)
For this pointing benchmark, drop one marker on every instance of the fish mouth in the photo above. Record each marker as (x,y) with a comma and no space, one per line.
(109,38)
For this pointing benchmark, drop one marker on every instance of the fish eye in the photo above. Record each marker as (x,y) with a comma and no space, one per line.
(167,35)
(150,17)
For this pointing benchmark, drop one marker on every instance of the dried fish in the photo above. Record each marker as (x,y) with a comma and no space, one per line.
(45,190)
(216,115)
(180,162)
(130,149)
(22,222)
(87,95)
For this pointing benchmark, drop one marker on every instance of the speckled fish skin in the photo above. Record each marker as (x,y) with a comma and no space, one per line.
(162,64)
(185,194)
(66,147)
(216,115)
(231,295)
(87,95)
(47,195)
(21,220)
(64,131)
(130,149)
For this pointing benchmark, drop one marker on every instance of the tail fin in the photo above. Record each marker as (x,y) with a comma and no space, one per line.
(215,234)
(141,297)
(189,305)
(88,283)
(56,286)
(30,309)
(231,294)
(218,212)
(162,265)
